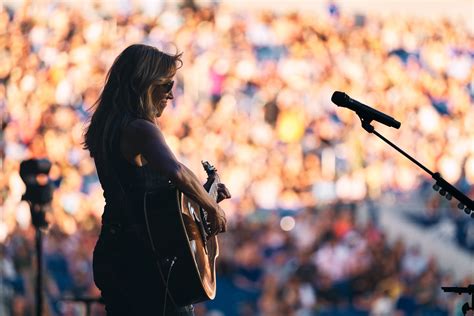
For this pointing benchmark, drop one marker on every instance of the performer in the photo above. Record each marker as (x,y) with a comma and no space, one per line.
(132,157)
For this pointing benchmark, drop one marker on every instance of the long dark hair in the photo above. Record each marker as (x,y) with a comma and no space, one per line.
(126,94)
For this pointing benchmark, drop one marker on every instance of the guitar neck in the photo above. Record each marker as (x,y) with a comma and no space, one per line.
(211,174)
(213,188)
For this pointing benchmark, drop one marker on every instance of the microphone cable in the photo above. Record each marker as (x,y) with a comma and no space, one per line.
(157,260)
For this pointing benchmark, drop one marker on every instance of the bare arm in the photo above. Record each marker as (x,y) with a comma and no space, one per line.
(146,139)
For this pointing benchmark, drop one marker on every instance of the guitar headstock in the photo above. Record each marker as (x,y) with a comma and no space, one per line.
(210,169)
(212,179)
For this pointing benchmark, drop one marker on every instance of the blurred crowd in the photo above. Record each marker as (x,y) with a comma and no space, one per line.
(253,98)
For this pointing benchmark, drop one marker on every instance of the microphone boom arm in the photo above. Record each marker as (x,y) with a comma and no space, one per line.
(444,187)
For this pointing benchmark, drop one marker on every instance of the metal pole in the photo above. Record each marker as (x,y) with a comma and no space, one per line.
(39,275)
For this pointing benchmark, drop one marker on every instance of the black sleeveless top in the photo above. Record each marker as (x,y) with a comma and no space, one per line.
(119,177)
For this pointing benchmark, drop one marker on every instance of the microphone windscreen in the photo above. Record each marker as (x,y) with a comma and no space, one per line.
(339,98)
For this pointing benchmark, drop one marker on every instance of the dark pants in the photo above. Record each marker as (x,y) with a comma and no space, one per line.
(128,277)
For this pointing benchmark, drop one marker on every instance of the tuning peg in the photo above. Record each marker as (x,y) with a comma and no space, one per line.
(472,215)
(460,206)
(442,192)
(448,196)
(467,210)
(436,187)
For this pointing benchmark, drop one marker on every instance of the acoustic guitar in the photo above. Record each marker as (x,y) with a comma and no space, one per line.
(178,232)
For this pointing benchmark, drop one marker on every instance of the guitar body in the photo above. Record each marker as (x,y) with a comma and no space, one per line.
(175,229)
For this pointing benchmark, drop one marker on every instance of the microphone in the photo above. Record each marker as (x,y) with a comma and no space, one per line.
(365,112)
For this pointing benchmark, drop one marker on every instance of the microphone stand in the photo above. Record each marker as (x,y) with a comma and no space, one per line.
(39,273)
(38,195)
(443,187)
(39,222)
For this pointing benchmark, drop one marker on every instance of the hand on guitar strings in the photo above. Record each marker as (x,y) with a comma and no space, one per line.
(217,221)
